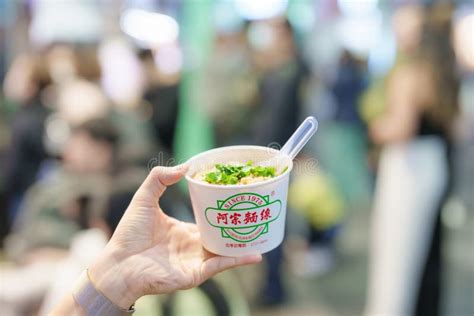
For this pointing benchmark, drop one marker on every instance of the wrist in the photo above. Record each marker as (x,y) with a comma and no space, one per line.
(109,276)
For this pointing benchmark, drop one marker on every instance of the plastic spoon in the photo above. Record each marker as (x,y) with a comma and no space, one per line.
(300,137)
(296,142)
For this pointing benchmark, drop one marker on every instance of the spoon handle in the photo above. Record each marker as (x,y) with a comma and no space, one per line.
(300,137)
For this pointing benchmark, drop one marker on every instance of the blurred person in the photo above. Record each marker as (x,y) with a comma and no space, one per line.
(73,95)
(24,85)
(407,22)
(74,101)
(68,198)
(414,174)
(282,75)
(161,91)
(124,82)
(231,88)
(51,212)
(341,151)
(79,100)
(346,133)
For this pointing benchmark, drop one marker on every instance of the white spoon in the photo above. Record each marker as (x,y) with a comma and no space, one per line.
(296,142)
(300,137)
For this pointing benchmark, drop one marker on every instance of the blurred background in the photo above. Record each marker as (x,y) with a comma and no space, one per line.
(97,92)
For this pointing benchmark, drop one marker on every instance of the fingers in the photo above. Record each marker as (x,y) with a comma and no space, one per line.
(218,264)
(158,179)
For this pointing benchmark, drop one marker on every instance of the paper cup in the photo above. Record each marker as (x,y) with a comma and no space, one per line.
(239,220)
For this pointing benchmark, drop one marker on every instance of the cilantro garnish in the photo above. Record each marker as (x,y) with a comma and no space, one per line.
(233,173)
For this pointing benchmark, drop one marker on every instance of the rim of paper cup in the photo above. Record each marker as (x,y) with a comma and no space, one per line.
(237,186)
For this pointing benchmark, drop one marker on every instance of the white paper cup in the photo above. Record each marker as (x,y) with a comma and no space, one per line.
(239,220)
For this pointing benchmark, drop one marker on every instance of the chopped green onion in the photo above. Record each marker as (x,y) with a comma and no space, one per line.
(232,174)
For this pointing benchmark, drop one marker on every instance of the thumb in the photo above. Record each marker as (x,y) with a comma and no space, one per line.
(218,264)
(157,180)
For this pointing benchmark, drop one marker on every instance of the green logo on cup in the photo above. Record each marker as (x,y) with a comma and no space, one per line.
(243,217)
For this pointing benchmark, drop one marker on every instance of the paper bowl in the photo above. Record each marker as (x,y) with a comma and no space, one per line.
(239,220)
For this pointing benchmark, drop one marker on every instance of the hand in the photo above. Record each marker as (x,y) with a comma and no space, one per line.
(152,253)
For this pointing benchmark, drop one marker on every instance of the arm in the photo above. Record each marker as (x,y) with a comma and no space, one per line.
(151,253)
(400,121)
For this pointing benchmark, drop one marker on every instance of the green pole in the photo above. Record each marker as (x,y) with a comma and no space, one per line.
(194,132)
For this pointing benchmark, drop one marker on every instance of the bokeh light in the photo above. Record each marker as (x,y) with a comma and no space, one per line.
(149,29)
(262,9)
(357,7)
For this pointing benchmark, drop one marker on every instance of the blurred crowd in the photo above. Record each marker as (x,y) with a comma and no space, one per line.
(82,122)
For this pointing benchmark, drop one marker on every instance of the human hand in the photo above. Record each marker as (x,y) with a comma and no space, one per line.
(152,253)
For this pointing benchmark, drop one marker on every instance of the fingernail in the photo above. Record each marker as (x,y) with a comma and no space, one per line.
(181,167)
